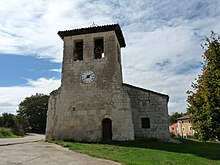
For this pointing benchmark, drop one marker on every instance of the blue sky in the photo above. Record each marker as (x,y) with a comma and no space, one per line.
(163,40)
(16,70)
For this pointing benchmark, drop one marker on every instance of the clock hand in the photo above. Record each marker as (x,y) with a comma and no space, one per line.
(88,76)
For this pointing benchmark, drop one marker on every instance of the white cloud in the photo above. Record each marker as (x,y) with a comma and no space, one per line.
(162,60)
(11,97)
(56,70)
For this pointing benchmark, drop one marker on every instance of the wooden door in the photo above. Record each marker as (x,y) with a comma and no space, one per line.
(106,130)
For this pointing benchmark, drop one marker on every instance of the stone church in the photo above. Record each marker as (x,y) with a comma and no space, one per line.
(93,104)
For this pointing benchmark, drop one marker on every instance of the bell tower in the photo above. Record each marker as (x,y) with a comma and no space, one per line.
(91,104)
(92,56)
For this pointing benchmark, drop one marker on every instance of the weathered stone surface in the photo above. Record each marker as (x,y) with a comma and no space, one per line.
(155,109)
(76,110)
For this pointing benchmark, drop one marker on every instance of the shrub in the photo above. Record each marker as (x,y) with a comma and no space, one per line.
(172,135)
(5,132)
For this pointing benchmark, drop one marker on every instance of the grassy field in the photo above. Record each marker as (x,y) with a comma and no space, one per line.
(152,152)
(6,133)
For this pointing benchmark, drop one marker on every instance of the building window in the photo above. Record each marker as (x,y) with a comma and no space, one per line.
(190,128)
(145,122)
(99,48)
(181,121)
(78,51)
(183,129)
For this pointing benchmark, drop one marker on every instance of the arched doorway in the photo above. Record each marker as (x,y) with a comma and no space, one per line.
(106,130)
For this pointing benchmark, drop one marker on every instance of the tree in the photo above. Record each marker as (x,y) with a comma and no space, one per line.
(204,100)
(13,122)
(8,120)
(33,112)
(1,121)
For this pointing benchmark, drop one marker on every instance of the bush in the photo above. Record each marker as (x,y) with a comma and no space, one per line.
(172,135)
(195,136)
(18,130)
(5,132)
(13,122)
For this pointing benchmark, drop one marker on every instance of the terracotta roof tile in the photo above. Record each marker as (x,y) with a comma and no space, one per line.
(183,117)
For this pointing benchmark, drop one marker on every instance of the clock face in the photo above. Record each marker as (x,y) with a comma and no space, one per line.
(88,76)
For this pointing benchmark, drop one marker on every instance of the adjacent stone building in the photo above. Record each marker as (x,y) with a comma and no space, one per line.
(93,103)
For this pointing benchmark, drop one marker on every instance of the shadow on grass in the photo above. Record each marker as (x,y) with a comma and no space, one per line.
(207,150)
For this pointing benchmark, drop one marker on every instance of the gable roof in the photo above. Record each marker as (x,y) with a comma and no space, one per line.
(183,117)
(146,90)
(96,29)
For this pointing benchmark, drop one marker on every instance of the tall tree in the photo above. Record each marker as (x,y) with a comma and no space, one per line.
(34,110)
(204,100)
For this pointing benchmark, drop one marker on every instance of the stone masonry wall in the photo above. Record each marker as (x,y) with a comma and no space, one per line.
(149,104)
(76,109)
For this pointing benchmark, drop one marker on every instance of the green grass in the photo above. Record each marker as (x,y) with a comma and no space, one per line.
(6,133)
(151,152)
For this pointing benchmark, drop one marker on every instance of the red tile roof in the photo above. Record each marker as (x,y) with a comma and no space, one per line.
(183,117)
